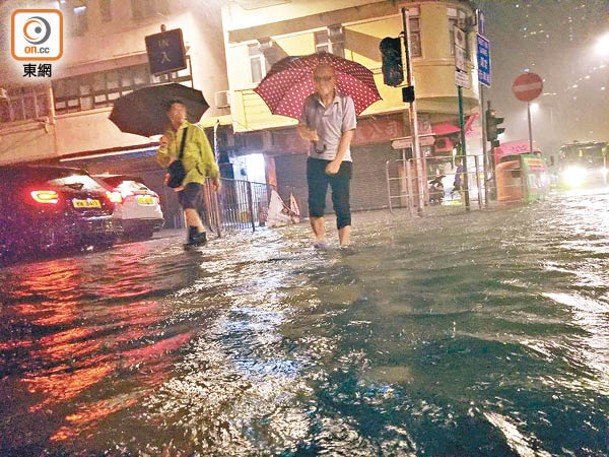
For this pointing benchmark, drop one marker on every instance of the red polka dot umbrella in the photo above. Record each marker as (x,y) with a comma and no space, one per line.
(289,82)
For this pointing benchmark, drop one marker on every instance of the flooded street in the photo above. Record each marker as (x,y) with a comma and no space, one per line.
(479,334)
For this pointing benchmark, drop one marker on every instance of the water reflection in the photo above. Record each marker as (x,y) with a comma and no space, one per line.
(471,334)
(77,329)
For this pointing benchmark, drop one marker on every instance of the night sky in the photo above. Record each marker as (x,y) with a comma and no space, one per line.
(557,39)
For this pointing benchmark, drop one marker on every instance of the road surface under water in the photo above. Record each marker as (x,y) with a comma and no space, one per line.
(479,334)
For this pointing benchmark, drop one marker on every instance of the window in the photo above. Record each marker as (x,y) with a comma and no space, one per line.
(257,65)
(322,41)
(70,178)
(105,10)
(23,103)
(415,36)
(142,9)
(262,57)
(456,18)
(75,13)
(97,90)
(336,35)
(414,23)
(85,92)
(331,40)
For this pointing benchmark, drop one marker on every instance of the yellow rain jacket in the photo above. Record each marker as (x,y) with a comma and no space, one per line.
(198,157)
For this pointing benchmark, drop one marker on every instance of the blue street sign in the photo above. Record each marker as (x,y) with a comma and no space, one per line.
(484,61)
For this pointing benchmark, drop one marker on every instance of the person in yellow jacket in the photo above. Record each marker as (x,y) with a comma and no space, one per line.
(199,163)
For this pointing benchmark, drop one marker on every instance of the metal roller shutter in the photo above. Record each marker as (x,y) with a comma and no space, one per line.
(369,184)
(368,187)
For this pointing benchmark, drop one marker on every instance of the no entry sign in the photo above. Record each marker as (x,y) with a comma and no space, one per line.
(527,87)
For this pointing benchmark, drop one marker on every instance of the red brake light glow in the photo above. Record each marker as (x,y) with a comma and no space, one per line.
(45,196)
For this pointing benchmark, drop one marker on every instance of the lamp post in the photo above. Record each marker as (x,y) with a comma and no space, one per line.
(412,110)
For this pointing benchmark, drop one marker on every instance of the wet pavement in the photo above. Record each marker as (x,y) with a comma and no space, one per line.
(478,334)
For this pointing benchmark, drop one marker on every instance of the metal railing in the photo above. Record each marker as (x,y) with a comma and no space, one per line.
(238,205)
(402,182)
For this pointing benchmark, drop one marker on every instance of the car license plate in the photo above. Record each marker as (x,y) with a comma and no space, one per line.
(88,203)
(144,200)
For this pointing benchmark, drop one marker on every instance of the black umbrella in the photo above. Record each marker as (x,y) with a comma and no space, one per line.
(144,111)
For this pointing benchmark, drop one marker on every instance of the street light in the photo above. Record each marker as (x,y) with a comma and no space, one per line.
(602,45)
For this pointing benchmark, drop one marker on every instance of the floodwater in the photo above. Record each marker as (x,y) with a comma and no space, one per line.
(473,334)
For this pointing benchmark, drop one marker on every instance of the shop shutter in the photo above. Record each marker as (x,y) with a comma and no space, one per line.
(369,184)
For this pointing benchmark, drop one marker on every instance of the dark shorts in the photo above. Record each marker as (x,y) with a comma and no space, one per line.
(190,197)
(318,182)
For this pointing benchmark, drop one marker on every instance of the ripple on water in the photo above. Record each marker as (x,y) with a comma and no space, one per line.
(471,334)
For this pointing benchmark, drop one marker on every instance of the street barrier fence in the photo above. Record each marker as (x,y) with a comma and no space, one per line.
(447,183)
(243,204)
(239,205)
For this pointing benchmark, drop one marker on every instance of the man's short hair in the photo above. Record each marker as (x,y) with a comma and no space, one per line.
(324,65)
(170,103)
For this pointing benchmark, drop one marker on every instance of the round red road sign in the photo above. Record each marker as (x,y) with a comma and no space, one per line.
(527,87)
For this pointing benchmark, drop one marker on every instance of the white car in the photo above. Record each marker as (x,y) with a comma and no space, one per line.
(137,212)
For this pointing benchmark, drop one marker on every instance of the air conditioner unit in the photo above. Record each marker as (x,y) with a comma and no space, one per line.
(3,93)
(222,99)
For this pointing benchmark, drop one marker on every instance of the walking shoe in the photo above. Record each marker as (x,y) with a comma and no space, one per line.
(201,239)
(346,249)
(195,238)
(321,245)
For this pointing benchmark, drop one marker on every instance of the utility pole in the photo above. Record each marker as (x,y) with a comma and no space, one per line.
(461,80)
(485,153)
(463,148)
(412,109)
(483,48)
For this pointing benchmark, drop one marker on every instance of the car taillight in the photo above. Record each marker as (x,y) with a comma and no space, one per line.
(45,196)
(114,197)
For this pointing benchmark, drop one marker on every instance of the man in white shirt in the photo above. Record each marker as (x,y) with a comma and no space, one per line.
(328,122)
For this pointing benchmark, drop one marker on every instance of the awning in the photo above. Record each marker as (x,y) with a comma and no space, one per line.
(448,129)
(444,129)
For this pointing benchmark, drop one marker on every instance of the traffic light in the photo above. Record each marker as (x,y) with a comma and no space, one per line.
(408,94)
(492,127)
(391,52)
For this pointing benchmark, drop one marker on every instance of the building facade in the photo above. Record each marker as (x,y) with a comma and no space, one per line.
(64,117)
(258,33)
(230,46)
